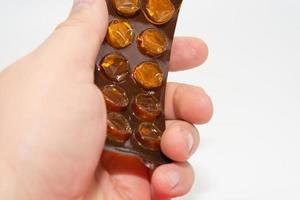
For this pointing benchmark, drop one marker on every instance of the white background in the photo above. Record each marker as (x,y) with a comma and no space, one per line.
(251,149)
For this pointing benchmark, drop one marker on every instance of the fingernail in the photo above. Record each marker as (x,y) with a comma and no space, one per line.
(190,141)
(78,3)
(173,178)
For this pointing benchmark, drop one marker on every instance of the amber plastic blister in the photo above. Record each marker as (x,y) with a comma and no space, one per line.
(131,71)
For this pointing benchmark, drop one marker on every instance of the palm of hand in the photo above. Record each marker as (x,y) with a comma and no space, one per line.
(65,157)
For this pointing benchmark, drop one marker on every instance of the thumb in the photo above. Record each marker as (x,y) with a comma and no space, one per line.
(76,42)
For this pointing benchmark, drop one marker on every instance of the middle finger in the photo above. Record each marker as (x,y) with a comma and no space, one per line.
(188,103)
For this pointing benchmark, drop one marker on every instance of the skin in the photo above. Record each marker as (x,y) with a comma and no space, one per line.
(53,121)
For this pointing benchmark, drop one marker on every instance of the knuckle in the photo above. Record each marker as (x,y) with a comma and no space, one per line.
(80,25)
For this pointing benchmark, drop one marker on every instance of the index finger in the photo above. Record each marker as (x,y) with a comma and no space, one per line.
(187,52)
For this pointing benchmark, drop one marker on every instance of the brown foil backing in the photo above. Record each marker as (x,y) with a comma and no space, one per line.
(140,22)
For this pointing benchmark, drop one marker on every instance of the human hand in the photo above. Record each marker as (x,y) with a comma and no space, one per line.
(53,121)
